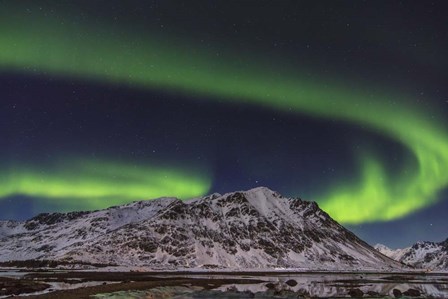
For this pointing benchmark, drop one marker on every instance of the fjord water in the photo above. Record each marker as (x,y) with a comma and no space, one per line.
(316,285)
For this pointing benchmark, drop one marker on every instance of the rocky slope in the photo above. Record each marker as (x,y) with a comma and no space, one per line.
(423,255)
(253,229)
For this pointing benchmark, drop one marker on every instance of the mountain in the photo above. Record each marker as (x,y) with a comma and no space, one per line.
(423,255)
(258,228)
(395,254)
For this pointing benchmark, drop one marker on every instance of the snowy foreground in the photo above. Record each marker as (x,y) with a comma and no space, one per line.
(254,229)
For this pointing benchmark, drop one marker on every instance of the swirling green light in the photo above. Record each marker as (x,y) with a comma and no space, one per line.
(92,184)
(34,44)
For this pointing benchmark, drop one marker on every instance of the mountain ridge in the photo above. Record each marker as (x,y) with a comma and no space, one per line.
(257,228)
(423,254)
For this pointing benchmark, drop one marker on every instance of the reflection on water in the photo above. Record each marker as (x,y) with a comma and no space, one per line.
(303,286)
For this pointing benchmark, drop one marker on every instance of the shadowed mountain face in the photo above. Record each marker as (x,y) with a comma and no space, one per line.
(252,229)
(424,255)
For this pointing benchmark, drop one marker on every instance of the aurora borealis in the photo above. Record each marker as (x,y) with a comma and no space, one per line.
(392,149)
(99,184)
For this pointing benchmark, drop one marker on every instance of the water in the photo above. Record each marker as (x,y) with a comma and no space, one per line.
(301,286)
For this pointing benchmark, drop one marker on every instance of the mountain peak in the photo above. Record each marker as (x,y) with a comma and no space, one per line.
(263,193)
(261,189)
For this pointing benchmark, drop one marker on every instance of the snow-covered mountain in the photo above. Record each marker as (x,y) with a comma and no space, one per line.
(395,254)
(424,255)
(249,229)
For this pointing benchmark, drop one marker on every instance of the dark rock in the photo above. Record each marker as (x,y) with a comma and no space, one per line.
(15,287)
(412,293)
(346,257)
(397,293)
(46,248)
(373,294)
(148,246)
(247,294)
(303,293)
(291,283)
(356,293)
(284,293)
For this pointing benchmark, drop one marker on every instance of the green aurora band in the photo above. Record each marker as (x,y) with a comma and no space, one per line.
(32,44)
(93,184)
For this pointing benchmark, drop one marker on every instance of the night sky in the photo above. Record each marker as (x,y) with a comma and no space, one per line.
(340,102)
